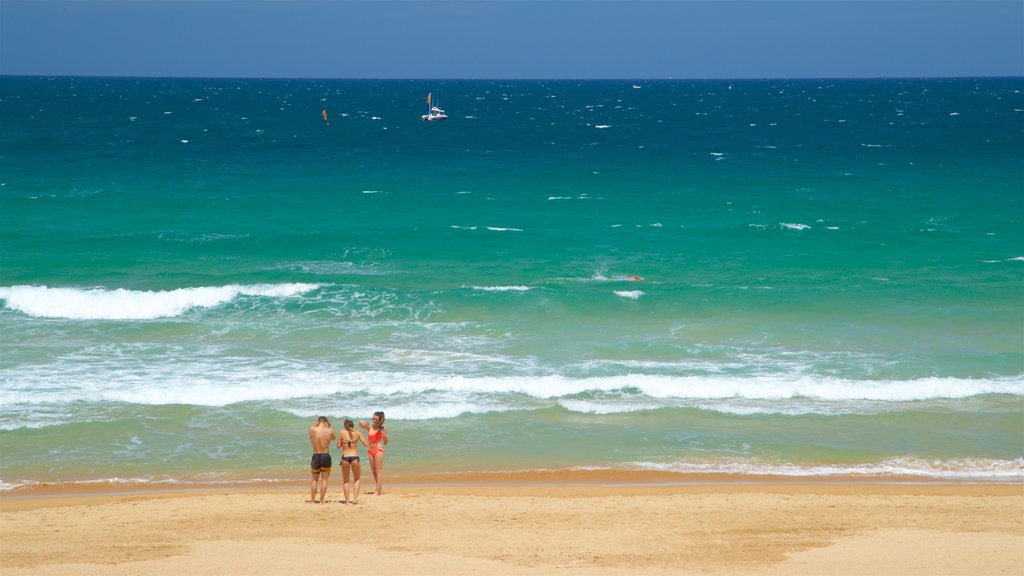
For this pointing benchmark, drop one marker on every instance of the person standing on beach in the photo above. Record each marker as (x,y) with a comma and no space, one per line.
(320,436)
(378,436)
(349,440)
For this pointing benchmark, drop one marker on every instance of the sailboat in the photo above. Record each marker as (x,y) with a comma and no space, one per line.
(433,112)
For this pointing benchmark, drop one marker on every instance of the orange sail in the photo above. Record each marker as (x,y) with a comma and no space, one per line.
(428,98)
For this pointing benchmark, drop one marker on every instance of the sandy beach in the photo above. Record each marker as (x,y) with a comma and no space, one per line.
(529,523)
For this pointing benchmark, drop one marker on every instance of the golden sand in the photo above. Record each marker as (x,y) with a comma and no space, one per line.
(529,523)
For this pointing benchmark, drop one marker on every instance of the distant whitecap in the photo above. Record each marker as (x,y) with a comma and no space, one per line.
(502,288)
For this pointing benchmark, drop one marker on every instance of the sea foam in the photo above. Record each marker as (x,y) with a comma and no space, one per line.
(502,288)
(124,304)
(957,468)
(222,382)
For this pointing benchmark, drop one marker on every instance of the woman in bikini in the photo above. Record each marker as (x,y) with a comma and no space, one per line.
(378,436)
(349,440)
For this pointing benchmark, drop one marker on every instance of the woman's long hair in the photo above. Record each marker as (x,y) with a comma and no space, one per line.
(348,430)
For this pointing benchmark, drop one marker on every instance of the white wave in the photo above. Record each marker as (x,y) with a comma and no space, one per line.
(959,468)
(602,126)
(1017,259)
(502,288)
(616,407)
(497,229)
(222,382)
(630,294)
(123,304)
(794,226)
(443,411)
(5,486)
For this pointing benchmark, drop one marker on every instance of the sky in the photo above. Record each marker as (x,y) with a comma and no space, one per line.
(513,39)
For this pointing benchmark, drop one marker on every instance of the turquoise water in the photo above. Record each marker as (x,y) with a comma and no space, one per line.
(192,270)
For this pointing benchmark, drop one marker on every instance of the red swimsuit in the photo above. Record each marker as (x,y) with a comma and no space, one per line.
(375,443)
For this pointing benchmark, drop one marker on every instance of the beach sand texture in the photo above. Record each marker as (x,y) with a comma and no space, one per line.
(525,527)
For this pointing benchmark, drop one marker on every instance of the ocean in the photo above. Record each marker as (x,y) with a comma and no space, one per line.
(807,278)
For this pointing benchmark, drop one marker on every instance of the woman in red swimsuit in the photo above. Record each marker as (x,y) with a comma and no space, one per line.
(377,434)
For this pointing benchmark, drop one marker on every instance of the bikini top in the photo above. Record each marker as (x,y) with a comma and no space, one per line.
(375,437)
(350,443)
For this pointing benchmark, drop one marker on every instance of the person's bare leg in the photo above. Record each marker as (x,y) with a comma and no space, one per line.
(324,476)
(344,477)
(373,467)
(356,473)
(312,487)
(378,472)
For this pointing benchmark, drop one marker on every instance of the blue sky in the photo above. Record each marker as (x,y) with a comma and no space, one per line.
(513,38)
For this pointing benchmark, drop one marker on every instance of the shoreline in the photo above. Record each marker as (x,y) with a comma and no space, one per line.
(525,479)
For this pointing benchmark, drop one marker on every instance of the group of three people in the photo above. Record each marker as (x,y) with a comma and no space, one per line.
(320,436)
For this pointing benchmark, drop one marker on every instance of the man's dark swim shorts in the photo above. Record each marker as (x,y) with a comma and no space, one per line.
(320,462)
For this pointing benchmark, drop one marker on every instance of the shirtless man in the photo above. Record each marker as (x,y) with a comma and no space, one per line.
(320,436)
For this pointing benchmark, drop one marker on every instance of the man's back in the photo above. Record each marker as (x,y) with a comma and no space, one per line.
(320,436)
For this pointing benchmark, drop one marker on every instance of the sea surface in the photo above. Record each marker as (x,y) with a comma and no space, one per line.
(806,278)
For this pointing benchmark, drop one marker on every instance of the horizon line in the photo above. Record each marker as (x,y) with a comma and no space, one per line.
(517,79)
